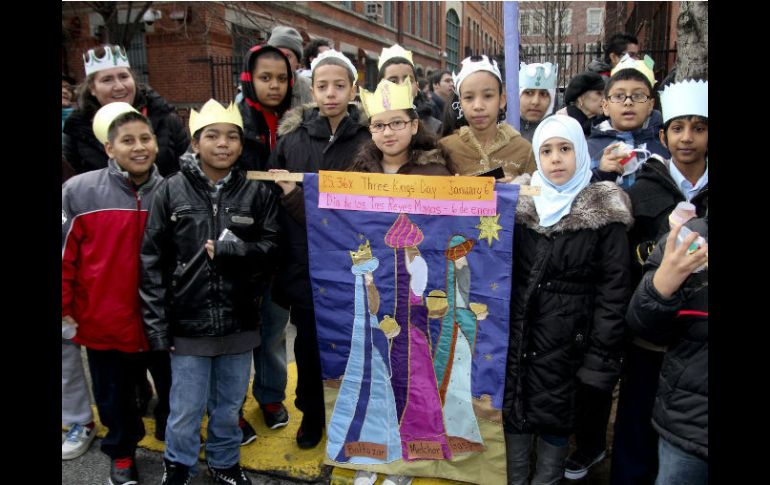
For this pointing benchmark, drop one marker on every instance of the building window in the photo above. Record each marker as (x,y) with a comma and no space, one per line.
(409,8)
(530,23)
(452,39)
(566,21)
(594,21)
(418,19)
(593,49)
(347,5)
(387,16)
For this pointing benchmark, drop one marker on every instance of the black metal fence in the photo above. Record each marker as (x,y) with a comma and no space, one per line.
(224,74)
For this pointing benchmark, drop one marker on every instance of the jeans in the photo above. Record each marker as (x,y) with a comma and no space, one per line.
(214,384)
(75,401)
(677,467)
(270,356)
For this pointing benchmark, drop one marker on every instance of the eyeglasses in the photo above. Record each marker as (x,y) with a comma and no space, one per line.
(394,125)
(621,98)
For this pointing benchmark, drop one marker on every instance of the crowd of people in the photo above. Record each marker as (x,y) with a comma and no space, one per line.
(174,263)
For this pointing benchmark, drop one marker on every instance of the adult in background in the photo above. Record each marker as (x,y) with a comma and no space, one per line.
(442,87)
(310,52)
(109,78)
(288,41)
(583,99)
(618,45)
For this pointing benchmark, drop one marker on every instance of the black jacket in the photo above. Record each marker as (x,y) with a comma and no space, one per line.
(184,292)
(681,322)
(306,145)
(653,196)
(85,153)
(569,292)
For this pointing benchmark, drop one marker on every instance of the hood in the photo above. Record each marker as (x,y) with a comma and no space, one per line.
(596,206)
(247,87)
(598,66)
(308,116)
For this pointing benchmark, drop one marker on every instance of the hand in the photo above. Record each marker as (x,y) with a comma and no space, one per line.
(286,187)
(678,263)
(69,320)
(210,248)
(610,161)
(505,180)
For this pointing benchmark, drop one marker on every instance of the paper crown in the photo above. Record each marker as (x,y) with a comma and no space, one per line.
(106,115)
(337,55)
(213,112)
(114,56)
(643,66)
(388,96)
(685,98)
(363,254)
(469,66)
(538,75)
(394,51)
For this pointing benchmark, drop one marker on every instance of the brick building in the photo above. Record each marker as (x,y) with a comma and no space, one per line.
(191,51)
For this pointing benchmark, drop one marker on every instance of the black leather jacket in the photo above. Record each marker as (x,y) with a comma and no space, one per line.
(184,292)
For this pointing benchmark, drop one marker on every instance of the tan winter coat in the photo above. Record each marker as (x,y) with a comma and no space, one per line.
(509,150)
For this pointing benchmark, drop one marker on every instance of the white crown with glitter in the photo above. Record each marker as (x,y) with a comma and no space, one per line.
(337,55)
(685,98)
(538,75)
(470,66)
(114,56)
(394,51)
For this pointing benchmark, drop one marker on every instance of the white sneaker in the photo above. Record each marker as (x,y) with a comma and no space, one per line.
(78,439)
(397,480)
(364,477)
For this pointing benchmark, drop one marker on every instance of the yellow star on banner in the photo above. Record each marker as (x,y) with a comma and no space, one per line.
(493,286)
(488,228)
(325,221)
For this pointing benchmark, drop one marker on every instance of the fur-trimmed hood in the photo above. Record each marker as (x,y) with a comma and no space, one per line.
(596,206)
(308,113)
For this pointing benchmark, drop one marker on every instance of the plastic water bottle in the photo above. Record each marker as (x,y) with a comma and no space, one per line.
(695,246)
(68,330)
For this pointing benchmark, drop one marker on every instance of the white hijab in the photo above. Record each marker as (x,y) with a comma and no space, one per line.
(555,201)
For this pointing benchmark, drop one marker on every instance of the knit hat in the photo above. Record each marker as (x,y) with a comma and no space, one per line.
(288,37)
(580,84)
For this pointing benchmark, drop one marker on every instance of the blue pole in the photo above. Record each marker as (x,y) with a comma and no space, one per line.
(511,29)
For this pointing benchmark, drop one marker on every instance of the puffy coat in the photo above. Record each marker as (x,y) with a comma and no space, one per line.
(569,291)
(84,152)
(681,412)
(103,218)
(509,150)
(429,162)
(187,294)
(306,145)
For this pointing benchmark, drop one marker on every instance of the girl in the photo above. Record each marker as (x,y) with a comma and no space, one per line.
(569,288)
(537,95)
(486,142)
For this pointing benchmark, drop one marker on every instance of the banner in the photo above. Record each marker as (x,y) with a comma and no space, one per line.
(412,314)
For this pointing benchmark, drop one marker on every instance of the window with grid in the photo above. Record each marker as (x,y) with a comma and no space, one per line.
(452,39)
(594,21)
(418,19)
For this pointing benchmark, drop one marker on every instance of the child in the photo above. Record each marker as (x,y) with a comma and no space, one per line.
(209,240)
(670,307)
(267,81)
(103,215)
(537,95)
(629,105)
(487,142)
(396,65)
(660,186)
(569,291)
(321,136)
(401,145)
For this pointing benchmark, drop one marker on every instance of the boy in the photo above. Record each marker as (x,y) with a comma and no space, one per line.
(321,136)
(103,217)
(537,95)
(207,248)
(266,83)
(629,103)
(661,185)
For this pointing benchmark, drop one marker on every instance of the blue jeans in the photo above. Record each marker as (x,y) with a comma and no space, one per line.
(213,384)
(677,467)
(270,357)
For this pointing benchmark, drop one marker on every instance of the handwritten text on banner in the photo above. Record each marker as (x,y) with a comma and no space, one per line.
(410,206)
(407,186)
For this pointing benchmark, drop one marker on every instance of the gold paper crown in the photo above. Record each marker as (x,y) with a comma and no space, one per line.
(643,66)
(394,51)
(363,254)
(213,112)
(114,56)
(106,115)
(388,96)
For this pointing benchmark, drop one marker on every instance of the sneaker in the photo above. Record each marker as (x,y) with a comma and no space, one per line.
(249,434)
(175,473)
(77,441)
(397,480)
(123,472)
(309,433)
(364,477)
(275,415)
(577,465)
(229,476)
